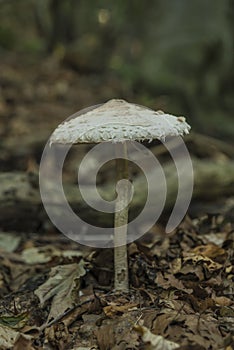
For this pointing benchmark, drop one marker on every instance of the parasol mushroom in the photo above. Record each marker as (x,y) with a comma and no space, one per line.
(118,121)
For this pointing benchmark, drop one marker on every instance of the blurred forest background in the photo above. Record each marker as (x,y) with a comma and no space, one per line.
(173,55)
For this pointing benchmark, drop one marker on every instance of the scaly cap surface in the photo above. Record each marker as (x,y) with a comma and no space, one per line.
(118,121)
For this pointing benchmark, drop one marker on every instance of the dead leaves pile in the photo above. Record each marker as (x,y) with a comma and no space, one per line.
(181,292)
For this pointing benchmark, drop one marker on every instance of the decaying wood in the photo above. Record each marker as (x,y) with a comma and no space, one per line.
(210,146)
(21,207)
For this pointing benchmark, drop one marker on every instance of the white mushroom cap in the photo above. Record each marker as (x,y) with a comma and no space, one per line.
(118,121)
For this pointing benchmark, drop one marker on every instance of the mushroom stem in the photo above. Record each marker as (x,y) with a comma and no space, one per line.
(121,220)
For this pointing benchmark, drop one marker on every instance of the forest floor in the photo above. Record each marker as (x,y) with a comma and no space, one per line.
(57,294)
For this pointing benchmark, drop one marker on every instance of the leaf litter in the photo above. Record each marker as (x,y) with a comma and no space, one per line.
(181,297)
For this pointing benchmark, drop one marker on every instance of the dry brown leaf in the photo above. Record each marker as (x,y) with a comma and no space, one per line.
(162,321)
(191,269)
(223,301)
(176,265)
(63,285)
(154,242)
(105,337)
(84,348)
(206,304)
(167,281)
(226,311)
(203,330)
(195,259)
(41,255)
(23,343)
(9,338)
(154,342)
(117,334)
(114,309)
(216,238)
(57,335)
(211,251)
(9,241)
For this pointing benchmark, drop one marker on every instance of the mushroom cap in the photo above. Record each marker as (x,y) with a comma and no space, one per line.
(118,121)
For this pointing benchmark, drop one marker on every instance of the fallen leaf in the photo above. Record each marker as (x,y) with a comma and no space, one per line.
(7,337)
(114,309)
(216,238)
(14,322)
(190,259)
(167,281)
(41,255)
(57,335)
(211,251)
(105,337)
(223,301)
(85,348)
(9,241)
(153,341)
(176,265)
(206,304)
(10,337)
(23,343)
(203,330)
(63,285)
(37,255)
(117,333)
(154,242)
(162,322)
(226,311)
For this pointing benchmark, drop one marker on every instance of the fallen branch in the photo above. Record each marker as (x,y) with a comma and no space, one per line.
(21,207)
